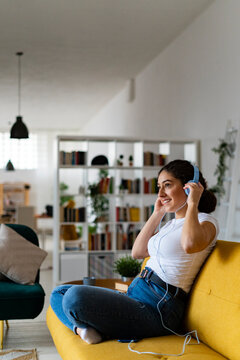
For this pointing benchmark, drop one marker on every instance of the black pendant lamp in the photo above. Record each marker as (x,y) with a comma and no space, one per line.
(9,166)
(19,129)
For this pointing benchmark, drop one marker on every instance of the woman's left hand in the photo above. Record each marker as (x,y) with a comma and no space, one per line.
(195,194)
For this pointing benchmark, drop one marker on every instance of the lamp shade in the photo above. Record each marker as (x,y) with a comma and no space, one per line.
(9,166)
(19,129)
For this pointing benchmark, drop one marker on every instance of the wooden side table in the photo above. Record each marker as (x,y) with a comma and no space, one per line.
(113,284)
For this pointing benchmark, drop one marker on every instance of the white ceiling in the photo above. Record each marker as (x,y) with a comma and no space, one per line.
(79,53)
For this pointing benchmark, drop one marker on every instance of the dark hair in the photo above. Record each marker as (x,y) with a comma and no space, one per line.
(184,171)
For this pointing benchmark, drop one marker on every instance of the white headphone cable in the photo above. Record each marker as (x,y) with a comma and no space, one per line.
(188,336)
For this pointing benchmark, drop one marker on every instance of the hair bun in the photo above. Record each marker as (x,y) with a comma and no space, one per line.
(208,202)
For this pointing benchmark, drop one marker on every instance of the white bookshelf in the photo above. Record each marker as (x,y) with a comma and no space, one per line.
(74,265)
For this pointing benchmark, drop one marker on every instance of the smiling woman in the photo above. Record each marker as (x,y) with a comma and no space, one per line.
(197,231)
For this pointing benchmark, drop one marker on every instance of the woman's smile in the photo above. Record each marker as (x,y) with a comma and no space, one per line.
(165,201)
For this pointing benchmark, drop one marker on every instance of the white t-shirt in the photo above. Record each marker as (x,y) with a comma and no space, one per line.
(168,259)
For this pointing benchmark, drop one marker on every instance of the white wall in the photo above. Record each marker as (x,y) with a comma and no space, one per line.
(190,90)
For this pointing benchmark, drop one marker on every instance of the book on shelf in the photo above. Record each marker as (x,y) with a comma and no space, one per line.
(147,212)
(152,159)
(120,234)
(72,158)
(150,186)
(68,214)
(121,213)
(125,239)
(127,213)
(105,185)
(100,241)
(134,214)
(132,186)
(111,185)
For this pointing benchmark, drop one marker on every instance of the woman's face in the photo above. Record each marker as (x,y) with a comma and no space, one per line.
(171,192)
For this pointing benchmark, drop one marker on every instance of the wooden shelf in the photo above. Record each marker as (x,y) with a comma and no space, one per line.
(13,195)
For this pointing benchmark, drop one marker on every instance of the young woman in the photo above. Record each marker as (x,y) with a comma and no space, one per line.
(155,301)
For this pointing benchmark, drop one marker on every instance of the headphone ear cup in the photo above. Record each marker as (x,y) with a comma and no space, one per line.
(195,179)
(196,175)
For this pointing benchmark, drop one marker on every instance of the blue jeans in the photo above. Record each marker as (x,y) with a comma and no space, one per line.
(116,315)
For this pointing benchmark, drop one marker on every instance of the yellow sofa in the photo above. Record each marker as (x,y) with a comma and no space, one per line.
(213,309)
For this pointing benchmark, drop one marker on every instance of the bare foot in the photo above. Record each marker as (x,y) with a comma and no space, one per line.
(89,335)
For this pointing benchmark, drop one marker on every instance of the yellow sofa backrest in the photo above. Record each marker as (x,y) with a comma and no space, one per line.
(144,263)
(214,304)
(214,301)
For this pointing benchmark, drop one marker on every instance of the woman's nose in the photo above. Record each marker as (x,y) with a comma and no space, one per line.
(161,192)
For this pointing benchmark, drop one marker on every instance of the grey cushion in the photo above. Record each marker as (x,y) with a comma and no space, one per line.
(19,258)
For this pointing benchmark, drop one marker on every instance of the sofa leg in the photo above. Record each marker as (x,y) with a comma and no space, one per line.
(1,333)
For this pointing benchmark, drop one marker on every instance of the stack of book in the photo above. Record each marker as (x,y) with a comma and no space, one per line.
(132,186)
(152,159)
(125,239)
(100,241)
(127,213)
(147,212)
(150,186)
(72,158)
(105,185)
(68,214)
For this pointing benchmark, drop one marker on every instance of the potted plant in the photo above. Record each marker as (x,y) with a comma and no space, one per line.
(224,150)
(99,202)
(120,160)
(130,159)
(127,267)
(64,197)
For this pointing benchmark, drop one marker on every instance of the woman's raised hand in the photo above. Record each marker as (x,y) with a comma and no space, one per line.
(195,194)
(159,207)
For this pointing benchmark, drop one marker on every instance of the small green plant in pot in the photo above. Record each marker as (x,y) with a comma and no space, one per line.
(130,160)
(127,267)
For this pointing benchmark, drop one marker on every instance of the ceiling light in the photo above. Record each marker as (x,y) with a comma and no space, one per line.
(9,166)
(19,129)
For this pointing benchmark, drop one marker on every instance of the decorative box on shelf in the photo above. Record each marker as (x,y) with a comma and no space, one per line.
(72,245)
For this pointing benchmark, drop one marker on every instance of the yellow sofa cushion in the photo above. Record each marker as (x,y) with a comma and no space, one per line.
(214,306)
(71,347)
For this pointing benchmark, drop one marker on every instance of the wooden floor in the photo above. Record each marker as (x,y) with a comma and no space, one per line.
(29,334)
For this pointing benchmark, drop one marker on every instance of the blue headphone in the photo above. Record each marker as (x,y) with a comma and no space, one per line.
(195,178)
